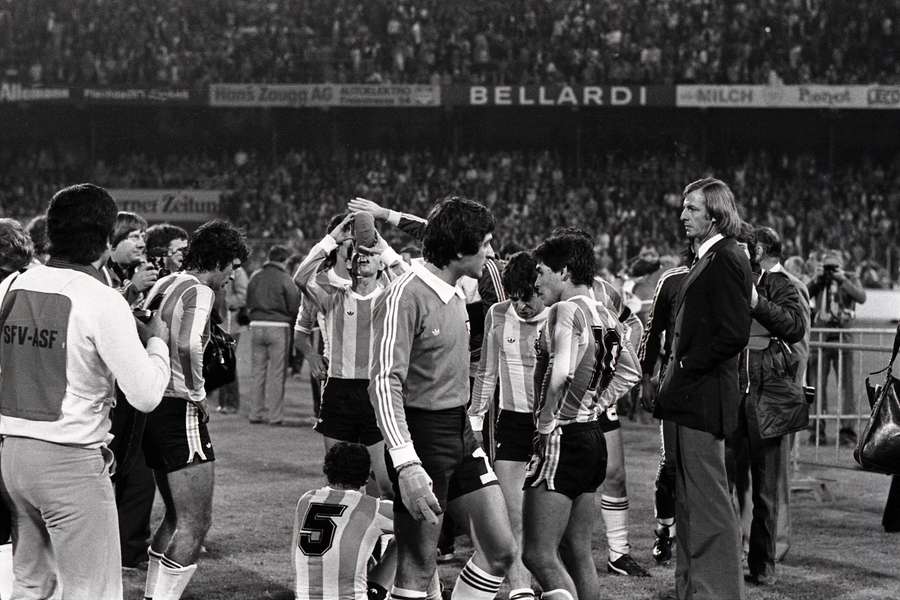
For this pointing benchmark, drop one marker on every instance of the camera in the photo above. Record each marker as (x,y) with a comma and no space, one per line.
(156,256)
(142,314)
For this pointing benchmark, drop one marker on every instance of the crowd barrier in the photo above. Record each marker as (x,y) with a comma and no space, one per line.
(840,361)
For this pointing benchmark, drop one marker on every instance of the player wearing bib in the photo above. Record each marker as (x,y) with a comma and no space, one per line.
(507,356)
(419,386)
(336,529)
(346,413)
(577,357)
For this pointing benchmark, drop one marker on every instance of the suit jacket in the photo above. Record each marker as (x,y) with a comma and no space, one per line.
(712,325)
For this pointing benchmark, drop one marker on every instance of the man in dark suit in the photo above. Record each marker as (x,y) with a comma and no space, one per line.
(700,393)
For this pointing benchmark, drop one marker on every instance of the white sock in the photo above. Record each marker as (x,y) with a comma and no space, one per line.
(521,594)
(559,594)
(615,516)
(172,579)
(153,559)
(473,583)
(402,594)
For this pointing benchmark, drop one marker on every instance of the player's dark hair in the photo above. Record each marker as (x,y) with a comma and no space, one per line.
(720,204)
(769,239)
(413,251)
(214,246)
(570,250)
(746,234)
(80,222)
(455,226)
(16,248)
(278,253)
(510,248)
(519,275)
(126,222)
(37,230)
(347,464)
(162,234)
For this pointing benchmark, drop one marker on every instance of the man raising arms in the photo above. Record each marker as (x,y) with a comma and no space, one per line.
(419,387)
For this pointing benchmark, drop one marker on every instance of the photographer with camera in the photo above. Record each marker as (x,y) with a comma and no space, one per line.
(127,269)
(166,244)
(836,293)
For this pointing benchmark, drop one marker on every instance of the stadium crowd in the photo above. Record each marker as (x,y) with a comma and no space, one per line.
(191,43)
(625,200)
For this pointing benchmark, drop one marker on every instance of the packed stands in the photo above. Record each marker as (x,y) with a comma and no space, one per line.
(195,42)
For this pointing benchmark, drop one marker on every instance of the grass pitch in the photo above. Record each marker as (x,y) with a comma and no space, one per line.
(838,551)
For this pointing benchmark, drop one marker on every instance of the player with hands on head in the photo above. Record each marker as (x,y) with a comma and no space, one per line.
(346,414)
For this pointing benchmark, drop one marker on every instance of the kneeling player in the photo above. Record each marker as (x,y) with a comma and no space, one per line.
(579,350)
(337,527)
(507,355)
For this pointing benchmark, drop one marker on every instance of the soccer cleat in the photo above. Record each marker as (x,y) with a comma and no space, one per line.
(625,565)
(662,546)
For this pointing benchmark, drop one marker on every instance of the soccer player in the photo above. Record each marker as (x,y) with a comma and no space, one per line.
(582,347)
(177,445)
(614,504)
(346,413)
(420,388)
(507,355)
(337,527)
(656,345)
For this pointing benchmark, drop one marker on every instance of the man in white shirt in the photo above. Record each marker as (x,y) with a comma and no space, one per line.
(65,338)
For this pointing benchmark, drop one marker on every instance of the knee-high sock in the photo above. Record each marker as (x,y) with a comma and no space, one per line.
(172,579)
(473,583)
(615,516)
(153,559)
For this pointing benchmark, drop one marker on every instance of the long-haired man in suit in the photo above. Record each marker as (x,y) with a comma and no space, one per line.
(700,393)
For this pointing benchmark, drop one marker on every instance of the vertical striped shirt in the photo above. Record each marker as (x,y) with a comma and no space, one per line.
(507,354)
(346,315)
(186,306)
(577,333)
(334,534)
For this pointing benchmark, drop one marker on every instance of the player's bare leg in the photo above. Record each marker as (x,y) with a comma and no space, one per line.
(511,475)
(575,548)
(545,518)
(416,557)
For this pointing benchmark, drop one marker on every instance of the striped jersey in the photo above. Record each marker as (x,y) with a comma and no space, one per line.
(185,305)
(335,532)
(606,294)
(346,316)
(507,355)
(581,347)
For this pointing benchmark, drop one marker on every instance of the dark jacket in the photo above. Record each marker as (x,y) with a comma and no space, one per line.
(272,295)
(712,325)
(773,387)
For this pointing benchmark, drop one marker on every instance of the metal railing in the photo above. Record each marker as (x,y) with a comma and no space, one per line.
(840,360)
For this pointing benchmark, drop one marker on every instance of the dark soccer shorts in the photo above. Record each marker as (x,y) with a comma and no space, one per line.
(176,436)
(609,419)
(346,414)
(514,433)
(571,462)
(449,453)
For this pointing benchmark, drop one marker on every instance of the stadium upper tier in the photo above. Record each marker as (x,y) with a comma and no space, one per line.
(195,42)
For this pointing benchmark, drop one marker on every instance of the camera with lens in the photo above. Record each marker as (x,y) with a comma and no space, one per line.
(157,257)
